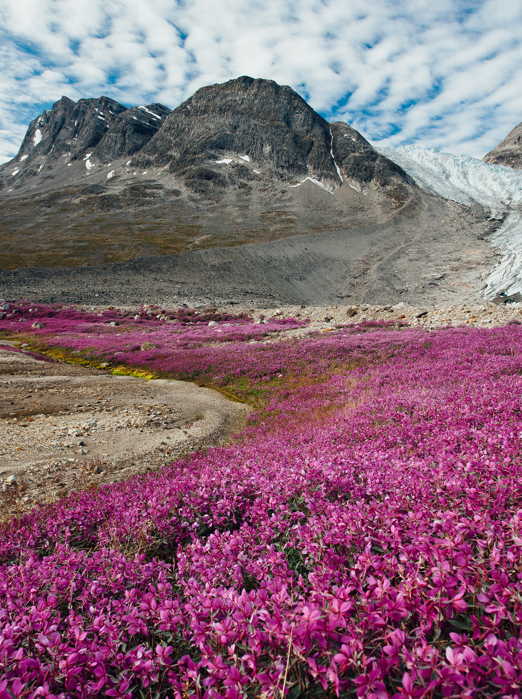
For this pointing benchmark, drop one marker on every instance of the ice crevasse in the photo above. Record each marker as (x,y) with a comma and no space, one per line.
(468,180)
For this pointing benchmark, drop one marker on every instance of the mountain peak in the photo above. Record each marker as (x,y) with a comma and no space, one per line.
(509,151)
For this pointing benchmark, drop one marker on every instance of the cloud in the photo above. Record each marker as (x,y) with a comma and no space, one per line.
(443,74)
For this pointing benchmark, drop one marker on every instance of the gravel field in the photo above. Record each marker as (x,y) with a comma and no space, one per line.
(64,427)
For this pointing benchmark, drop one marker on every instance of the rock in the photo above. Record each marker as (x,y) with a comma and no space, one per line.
(212,323)
(351,312)
(11,480)
(38,325)
(421,314)
(509,151)
(147,346)
(328,319)
(112,324)
(2,316)
(399,306)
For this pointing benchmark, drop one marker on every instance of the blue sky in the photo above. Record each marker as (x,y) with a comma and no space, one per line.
(436,73)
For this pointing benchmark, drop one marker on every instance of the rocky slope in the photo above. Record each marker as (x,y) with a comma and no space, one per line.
(509,151)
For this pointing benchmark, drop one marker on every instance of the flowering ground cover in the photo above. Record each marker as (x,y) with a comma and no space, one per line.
(362,537)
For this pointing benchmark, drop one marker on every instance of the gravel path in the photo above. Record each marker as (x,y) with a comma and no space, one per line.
(64,427)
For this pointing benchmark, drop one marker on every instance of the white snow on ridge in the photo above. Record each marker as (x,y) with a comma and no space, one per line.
(226,161)
(23,157)
(37,137)
(333,157)
(467,180)
(149,112)
(311,179)
(88,164)
(110,174)
(245,157)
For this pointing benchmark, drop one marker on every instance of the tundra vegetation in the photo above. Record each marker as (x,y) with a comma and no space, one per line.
(361,537)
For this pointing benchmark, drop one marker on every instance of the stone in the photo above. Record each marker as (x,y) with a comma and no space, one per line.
(38,325)
(11,480)
(351,312)
(421,314)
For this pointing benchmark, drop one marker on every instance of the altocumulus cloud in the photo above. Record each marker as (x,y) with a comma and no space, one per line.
(443,74)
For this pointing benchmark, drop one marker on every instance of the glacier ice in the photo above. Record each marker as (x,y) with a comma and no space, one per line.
(468,180)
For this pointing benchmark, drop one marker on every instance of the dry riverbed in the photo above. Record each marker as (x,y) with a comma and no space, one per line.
(65,427)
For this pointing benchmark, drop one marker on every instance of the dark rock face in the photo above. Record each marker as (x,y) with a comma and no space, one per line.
(509,151)
(269,123)
(99,128)
(130,132)
(359,161)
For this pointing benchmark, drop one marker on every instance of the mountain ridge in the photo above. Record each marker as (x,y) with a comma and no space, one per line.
(241,190)
(96,182)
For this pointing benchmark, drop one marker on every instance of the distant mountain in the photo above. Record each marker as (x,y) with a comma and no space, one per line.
(244,161)
(509,151)
(243,124)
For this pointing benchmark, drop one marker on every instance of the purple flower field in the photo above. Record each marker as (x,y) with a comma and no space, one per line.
(361,538)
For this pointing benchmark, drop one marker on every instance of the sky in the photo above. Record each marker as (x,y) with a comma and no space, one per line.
(441,74)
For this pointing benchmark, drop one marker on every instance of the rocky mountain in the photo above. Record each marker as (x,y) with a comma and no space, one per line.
(151,196)
(245,161)
(509,151)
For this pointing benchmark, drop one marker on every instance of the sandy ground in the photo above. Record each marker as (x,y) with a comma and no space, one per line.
(64,427)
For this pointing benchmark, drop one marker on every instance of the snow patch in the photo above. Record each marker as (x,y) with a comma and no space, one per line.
(110,174)
(88,164)
(333,157)
(23,157)
(245,157)
(319,184)
(467,180)
(37,137)
(256,171)
(87,156)
(129,162)
(149,112)
(226,161)
(41,166)
(69,164)
(17,170)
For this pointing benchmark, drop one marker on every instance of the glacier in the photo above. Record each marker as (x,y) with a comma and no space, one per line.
(470,181)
